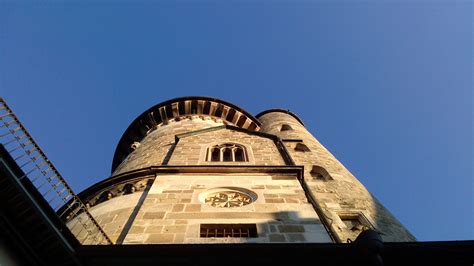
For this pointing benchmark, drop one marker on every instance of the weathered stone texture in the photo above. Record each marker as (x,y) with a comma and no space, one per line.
(344,193)
(274,210)
(158,147)
(192,150)
(151,221)
(112,215)
(172,209)
(155,146)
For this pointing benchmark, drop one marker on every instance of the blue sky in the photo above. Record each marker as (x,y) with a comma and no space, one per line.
(386,86)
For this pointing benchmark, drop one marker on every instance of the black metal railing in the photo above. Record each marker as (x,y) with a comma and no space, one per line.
(47,180)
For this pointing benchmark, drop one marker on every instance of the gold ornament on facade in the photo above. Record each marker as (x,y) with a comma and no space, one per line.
(228,199)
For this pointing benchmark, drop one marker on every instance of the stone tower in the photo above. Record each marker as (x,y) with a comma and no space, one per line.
(202,170)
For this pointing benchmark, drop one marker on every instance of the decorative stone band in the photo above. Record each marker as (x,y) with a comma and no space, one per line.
(138,180)
(117,190)
(176,109)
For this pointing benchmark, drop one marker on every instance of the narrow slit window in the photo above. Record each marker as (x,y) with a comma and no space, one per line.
(216,155)
(227,155)
(239,155)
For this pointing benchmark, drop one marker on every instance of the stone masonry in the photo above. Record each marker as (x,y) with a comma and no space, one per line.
(286,185)
(341,195)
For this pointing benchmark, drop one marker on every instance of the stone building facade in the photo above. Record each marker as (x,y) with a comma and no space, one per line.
(202,170)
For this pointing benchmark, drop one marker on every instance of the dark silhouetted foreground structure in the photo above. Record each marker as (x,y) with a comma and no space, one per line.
(200,181)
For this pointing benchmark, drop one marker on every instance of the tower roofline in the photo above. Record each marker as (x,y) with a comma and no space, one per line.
(171,110)
(279,110)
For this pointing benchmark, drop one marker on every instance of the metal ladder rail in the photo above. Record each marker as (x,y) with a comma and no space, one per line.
(29,154)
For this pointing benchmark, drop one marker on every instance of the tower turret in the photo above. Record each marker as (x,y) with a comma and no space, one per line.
(202,170)
(347,206)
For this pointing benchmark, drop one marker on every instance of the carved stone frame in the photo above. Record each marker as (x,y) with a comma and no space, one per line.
(205,147)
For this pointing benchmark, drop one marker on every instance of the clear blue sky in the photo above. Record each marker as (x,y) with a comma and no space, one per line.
(386,86)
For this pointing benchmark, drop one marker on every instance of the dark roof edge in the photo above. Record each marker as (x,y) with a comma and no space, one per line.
(136,122)
(202,98)
(279,110)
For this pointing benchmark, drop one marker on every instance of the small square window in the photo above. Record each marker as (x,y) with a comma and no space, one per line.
(228,230)
(354,221)
(351,222)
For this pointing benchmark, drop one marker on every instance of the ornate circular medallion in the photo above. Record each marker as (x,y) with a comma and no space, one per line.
(228,198)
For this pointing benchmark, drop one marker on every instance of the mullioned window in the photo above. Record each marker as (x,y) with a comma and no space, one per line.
(227,152)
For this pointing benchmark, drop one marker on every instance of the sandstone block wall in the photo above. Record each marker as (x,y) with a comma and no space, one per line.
(158,148)
(111,215)
(154,148)
(172,209)
(341,196)
(192,150)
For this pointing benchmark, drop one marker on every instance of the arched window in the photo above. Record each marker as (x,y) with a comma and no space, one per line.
(319,173)
(227,152)
(239,155)
(301,147)
(215,154)
(286,127)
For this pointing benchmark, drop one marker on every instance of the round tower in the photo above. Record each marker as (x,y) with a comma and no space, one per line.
(147,140)
(199,170)
(347,207)
(202,170)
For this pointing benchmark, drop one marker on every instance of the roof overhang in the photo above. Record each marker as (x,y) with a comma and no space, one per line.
(172,111)
(278,110)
